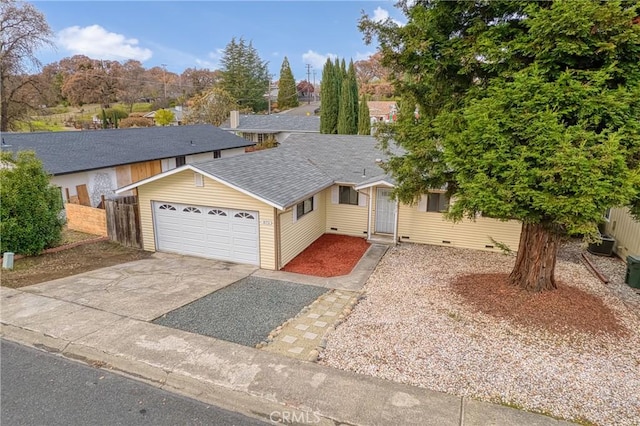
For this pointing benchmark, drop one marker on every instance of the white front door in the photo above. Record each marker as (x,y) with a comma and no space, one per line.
(385,211)
(213,232)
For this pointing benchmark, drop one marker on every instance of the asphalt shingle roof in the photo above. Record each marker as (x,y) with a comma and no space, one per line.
(69,152)
(277,175)
(277,123)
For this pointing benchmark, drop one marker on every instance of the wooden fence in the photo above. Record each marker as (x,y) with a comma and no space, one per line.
(123,221)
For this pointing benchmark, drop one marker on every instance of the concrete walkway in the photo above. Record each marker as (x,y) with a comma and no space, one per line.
(96,329)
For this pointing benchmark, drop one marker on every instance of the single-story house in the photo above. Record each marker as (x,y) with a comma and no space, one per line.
(625,230)
(264,208)
(178,115)
(259,128)
(90,164)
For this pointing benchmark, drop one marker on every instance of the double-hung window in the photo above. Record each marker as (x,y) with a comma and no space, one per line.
(304,207)
(347,195)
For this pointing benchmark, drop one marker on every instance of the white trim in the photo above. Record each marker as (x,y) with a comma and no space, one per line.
(372,184)
(198,180)
(197,170)
(370,213)
(294,214)
(422,204)
(335,195)
(395,223)
(362,199)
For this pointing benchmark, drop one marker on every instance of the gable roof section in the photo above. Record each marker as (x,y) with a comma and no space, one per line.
(348,159)
(274,123)
(279,177)
(70,152)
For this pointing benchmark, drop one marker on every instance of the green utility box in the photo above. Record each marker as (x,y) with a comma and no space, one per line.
(633,271)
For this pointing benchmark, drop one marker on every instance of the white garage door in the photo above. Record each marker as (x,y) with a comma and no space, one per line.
(212,232)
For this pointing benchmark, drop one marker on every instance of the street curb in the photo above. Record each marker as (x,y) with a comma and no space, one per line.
(260,407)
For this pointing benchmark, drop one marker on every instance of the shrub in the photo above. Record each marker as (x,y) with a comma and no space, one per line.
(29,205)
(135,122)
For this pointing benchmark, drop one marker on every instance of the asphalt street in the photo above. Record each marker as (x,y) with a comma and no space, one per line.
(38,388)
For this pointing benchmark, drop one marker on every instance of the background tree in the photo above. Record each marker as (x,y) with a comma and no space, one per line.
(373,77)
(211,107)
(23,30)
(287,91)
(29,205)
(244,75)
(527,111)
(131,84)
(329,98)
(305,87)
(196,81)
(348,107)
(364,119)
(164,117)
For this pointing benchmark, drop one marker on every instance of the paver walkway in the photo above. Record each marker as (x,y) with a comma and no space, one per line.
(302,337)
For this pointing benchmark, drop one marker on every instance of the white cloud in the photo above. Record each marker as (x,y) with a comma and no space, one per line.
(381,15)
(317,60)
(98,43)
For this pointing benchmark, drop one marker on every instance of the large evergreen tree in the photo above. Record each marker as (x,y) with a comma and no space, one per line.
(527,111)
(244,75)
(364,119)
(348,108)
(287,90)
(329,98)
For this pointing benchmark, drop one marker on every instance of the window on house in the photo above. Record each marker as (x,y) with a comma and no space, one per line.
(347,195)
(437,202)
(181,161)
(607,215)
(217,154)
(304,207)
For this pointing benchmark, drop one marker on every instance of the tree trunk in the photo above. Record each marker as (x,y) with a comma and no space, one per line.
(536,260)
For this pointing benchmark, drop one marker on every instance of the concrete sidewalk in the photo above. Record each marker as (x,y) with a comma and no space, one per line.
(253,382)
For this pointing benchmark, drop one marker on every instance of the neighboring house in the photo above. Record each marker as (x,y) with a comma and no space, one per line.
(259,128)
(620,225)
(90,164)
(264,208)
(382,111)
(178,116)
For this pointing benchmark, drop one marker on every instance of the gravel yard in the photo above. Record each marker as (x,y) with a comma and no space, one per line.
(412,327)
(243,312)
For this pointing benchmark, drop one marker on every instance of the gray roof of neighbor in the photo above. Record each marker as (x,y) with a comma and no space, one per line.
(277,123)
(277,175)
(69,152)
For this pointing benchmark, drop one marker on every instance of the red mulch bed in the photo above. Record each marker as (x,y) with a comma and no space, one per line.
(329,256)
(563,310)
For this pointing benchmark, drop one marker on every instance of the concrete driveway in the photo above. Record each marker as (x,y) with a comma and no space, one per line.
(145,289)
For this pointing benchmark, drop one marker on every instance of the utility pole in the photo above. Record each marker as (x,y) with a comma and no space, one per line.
(308,82)
(164,79)
(314,85)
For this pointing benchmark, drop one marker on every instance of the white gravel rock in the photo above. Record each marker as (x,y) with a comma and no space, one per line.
(412,328)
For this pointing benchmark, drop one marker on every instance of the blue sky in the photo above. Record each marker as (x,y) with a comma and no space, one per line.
(189,34)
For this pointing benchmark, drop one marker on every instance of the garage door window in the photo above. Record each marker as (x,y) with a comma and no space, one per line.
(167,207)
(191,210)
(244,215)
(217,212)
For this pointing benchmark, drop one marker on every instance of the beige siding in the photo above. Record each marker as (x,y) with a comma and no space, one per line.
(180,188)
(626,231)
(295,237)
(346,219)
(431,228)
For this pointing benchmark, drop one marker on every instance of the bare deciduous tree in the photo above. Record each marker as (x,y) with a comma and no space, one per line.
(23,30)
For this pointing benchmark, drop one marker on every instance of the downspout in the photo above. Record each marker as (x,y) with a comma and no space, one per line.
(395,224)
(370,213)
(276,230)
